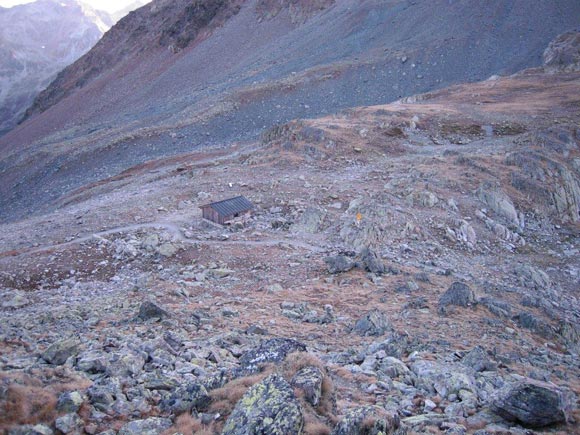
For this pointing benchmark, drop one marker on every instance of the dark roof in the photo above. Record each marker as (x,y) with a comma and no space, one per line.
(231,206)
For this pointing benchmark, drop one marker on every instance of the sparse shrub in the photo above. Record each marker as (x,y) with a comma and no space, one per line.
(313,426)
(189,425)
(26,404)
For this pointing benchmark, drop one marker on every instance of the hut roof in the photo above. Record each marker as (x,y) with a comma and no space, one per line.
(231,206)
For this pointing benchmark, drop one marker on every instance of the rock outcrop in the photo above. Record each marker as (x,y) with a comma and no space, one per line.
(268,407)
(563,54)
(532,403)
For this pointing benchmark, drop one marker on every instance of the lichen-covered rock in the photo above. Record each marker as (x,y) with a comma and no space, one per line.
(371,262)
(57,353)
(533,403)
(458,294)
(269,351)
(532,278)
(69,401)
(268,407)
(69,423)
(148,310)
(186,398)
(393,367)
(127,362)
(91,362)
(374,323)
(570,333)
(150,426)
(367,420)
(309,380)
(310,222)
(499,202)
(478,360)
(444,378)
(529,321)
(338,264)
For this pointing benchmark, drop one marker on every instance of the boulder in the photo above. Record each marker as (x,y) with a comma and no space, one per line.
(92,362)
(150,426)
(495,306)
(149,310)
(57,353)
(532,403)
(478,360)
(499,202)
(393,367)
(69,423)
(532,278)
(338,264)
(69,401)
(167,249)
(309,380)
(444,379)
(268,407)
(310,222)
(458,294)
(374,323)
(269,351)
(533,323)
(371,262)
(368,420)
(185,398)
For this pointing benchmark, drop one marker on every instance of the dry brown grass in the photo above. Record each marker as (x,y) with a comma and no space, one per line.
(313,426)
(29,400)
(189,425)
(224,399)
(27,404)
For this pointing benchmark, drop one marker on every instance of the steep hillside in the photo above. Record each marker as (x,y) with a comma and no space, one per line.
(409,268)
(175,76)
(36,41)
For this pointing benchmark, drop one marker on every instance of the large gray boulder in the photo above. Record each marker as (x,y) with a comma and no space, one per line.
(268,407)
(497,200)
(311,221)
(371,262)
(458,294)
(57,353)
(374,323)
(338,264)
(185,398)
(149,310)
(532,403)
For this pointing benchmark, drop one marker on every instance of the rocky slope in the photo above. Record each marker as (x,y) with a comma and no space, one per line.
(36,41)
(175,76)
(409,268)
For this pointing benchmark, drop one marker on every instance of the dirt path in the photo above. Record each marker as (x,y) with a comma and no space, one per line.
(171,228)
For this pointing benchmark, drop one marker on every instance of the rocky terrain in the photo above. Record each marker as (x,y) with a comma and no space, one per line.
(176,76)
(409,268)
